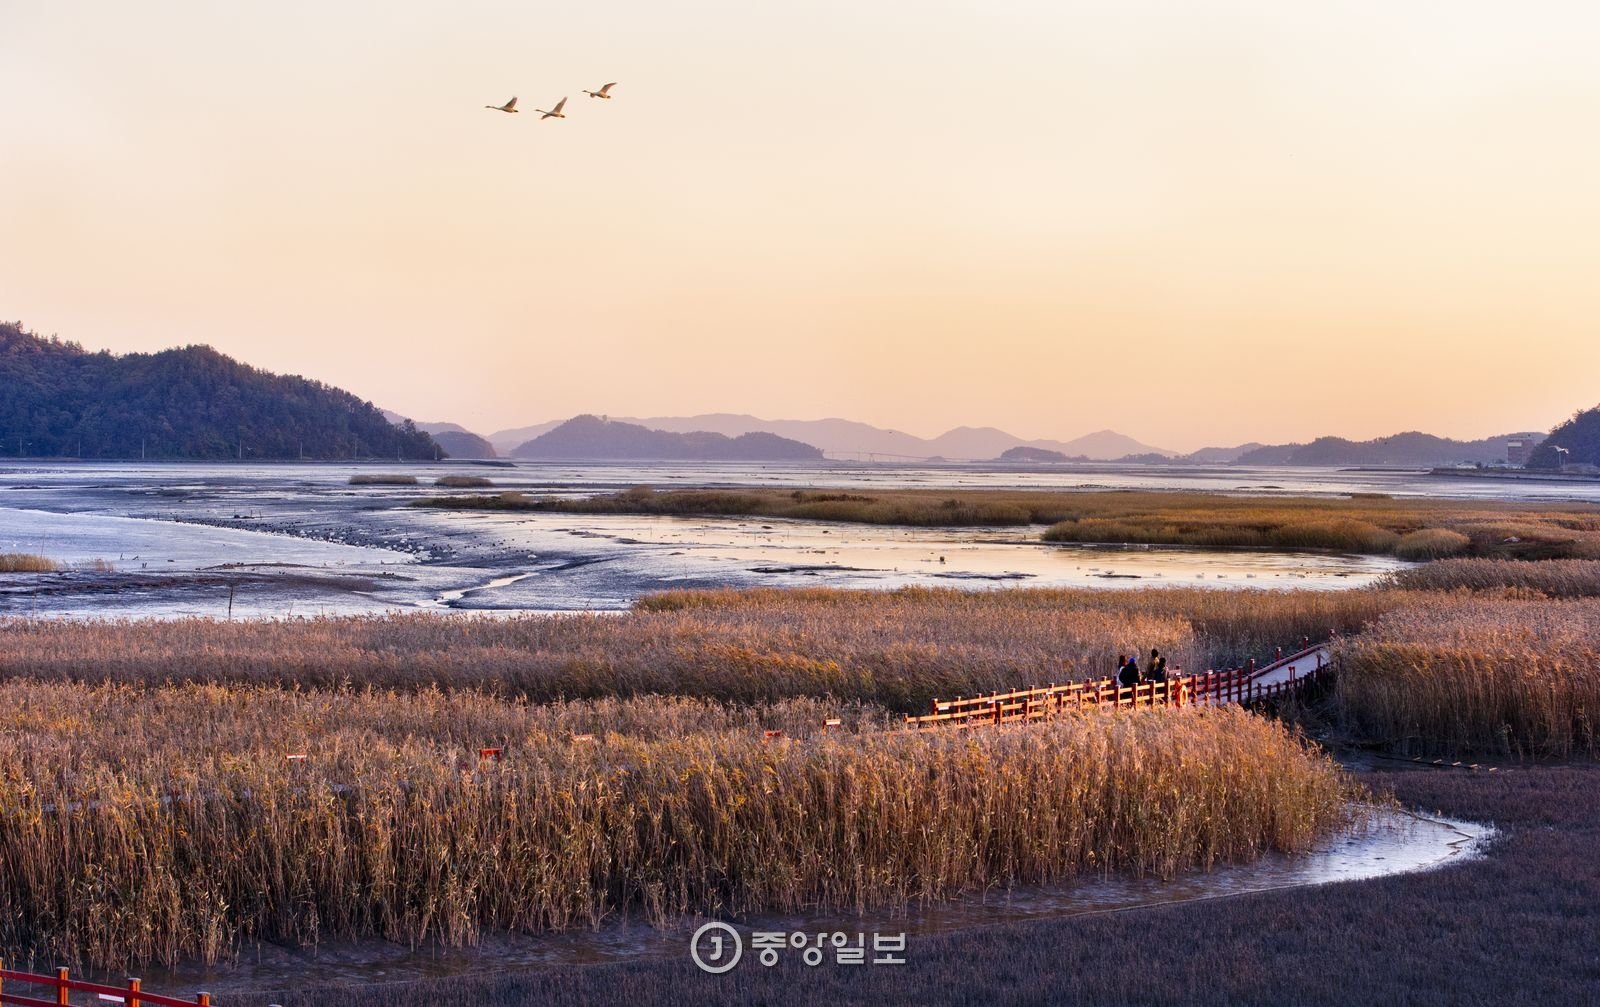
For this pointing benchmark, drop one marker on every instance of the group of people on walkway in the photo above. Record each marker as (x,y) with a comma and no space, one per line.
(1129,673)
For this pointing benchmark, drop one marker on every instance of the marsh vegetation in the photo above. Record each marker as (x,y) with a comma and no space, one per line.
(176,789)
(897,649)
(16,562)
(1417,529)
(154,824)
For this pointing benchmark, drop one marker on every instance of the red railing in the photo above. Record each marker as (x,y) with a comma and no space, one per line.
(59,989)
(1234,685)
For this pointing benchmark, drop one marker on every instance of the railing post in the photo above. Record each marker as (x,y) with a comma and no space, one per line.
(202,999)
(61,988)
(132,999)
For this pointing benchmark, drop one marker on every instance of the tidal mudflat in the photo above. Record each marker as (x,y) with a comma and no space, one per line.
(277,541)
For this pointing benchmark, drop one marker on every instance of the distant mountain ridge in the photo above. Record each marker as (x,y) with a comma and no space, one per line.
(56,398)
(591,437)
(840,438)
(456,440)
(1410,449)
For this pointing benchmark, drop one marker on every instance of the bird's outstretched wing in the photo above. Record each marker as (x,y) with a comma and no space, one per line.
(606,88)
(559,106)
(508,106)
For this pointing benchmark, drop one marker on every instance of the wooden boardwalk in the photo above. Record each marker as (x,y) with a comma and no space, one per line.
(1248,684)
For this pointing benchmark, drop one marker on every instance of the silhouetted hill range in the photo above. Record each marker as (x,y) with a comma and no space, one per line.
(591,437)
(1408,450)
(840,438)
(848,439)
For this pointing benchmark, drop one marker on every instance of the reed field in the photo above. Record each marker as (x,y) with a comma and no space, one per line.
(1554,578)
(463,482)
(898,649)
(1420,529)
(150,810)
(1459,674)
(17,562)
(1517,926)
(153,824)
(383,479)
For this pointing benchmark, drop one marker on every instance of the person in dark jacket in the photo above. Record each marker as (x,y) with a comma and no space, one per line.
(1129,675)
(1157,671)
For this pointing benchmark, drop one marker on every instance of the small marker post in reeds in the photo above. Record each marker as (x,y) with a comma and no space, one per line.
(834,724)
(774,735)
(582,738)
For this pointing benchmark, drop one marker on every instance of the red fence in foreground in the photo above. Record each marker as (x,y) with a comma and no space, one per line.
(58,990)
(1235,685)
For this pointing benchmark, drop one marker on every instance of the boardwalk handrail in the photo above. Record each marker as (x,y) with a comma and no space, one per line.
(1233,685)
(61,987)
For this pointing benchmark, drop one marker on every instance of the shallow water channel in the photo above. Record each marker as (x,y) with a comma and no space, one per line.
(1391,843)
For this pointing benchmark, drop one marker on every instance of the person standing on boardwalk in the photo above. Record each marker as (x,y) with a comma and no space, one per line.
(1157,671)
(1129,675)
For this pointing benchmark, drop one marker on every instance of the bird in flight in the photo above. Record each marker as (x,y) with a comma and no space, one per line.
(510,106)
(554,113)
(604,91)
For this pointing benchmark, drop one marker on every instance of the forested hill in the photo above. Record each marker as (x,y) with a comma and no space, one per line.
(58,399)
(1580,436)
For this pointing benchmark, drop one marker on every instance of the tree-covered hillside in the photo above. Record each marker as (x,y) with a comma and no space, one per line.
(1579,435)
(58,399)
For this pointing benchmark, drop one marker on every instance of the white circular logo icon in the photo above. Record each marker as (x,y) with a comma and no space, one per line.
(716,948)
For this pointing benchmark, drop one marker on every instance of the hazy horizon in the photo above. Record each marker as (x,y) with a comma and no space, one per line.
(1196,228)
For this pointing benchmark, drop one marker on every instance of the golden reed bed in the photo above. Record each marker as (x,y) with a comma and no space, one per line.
(898,648)
(1463,673)
(155,824)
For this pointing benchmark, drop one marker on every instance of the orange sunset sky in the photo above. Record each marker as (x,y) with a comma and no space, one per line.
(1196,223)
